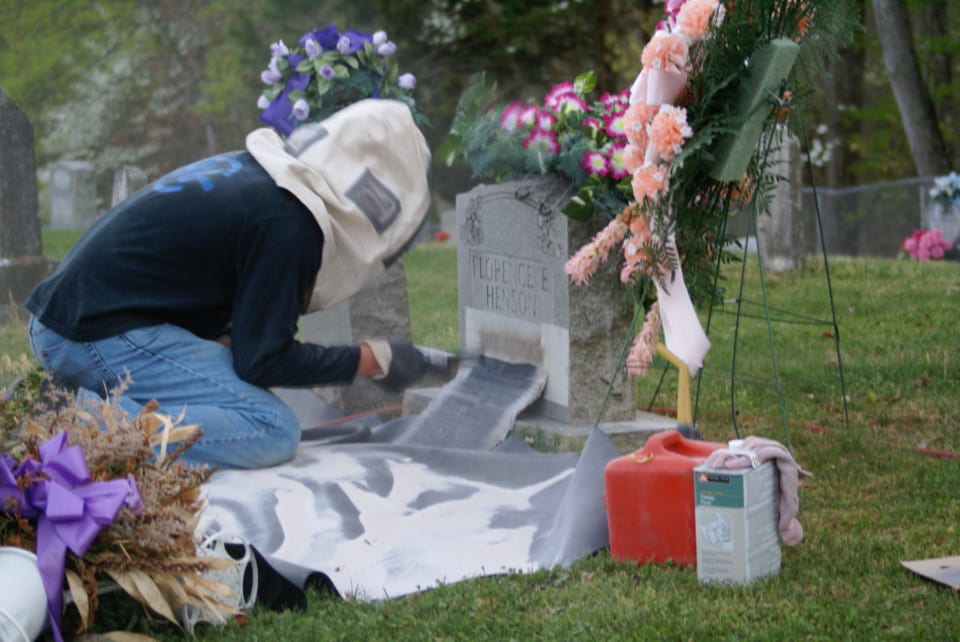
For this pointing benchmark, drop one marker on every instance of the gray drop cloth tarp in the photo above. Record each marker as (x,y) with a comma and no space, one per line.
(408,504)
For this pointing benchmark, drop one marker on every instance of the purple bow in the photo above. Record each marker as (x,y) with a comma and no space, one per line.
(70,509)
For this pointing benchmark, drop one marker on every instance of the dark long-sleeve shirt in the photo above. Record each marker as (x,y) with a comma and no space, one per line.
(212,247)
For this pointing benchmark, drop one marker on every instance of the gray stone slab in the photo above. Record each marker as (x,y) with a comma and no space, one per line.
(780,235)
(512,243)
(73,195)
(416,400)
(127,181)
(19,225)
(22,265)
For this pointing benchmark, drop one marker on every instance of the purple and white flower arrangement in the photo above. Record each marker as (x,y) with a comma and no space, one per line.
(326,71)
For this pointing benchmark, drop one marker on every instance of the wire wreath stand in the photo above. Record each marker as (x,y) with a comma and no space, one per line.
(768,314)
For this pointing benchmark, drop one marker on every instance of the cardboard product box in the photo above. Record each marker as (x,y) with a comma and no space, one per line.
(736,513)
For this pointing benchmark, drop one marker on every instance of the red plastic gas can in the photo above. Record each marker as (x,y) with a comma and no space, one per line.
(650,502)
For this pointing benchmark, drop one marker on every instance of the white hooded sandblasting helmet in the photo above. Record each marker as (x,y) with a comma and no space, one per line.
(362,173)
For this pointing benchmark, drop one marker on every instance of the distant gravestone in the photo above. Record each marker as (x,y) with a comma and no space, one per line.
(513,242)
(73,195)
(126,181)
(780,235)
(448,222)
(22,264)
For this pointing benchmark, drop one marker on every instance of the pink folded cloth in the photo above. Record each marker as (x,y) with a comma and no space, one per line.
(791,474)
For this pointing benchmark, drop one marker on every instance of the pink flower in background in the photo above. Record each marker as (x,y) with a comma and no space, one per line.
(649,182)
(616,102)
(633,158)
(693,18)
(611,235)
(618,165)
(566,103)
(668,130)
(590,126)
(510,117)
(540,140)
(545,120)
(588,258)
(635,257)
(557,92)
(635,121)
(528,115)
(520,114)
(925,245)
(615,125)
(645,344)
(595,163)
(666,50)
(582,265)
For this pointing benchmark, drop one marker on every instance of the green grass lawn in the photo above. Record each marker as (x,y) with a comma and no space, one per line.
(878,494)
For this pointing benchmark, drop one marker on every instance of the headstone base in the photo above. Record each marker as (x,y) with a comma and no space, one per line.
(18,277)
(416,400)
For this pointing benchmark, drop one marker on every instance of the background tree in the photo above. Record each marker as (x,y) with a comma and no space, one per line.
(919,115)
(162,82)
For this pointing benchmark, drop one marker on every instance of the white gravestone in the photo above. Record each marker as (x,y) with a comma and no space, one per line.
(73,195)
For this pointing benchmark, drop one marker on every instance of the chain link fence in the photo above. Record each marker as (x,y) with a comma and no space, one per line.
(867,220)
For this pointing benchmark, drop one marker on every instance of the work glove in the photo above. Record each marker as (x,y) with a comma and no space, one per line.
(400,361)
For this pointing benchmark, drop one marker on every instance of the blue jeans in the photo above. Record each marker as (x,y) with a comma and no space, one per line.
(243,426)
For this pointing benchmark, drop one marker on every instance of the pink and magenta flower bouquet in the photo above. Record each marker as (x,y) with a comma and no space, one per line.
(926,245)
(565,134)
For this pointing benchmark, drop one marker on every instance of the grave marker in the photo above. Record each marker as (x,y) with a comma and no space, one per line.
(73,195)
(126,181)
(513,242)
(781,238)
(22,264)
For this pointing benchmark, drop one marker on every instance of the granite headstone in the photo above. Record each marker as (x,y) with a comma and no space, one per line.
(513,242)
(73,195)
(780,235)
(126,181)
(22,264)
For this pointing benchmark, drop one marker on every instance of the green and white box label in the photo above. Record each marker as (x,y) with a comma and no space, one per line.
(736,522)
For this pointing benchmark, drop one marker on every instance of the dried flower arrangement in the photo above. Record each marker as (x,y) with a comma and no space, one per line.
(63,462)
